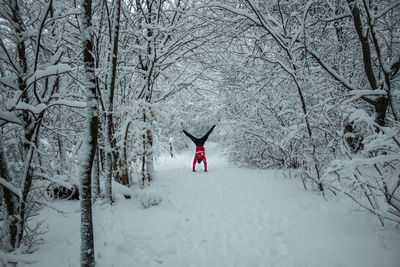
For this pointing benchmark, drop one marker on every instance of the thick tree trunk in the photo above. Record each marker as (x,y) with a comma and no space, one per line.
(90,142)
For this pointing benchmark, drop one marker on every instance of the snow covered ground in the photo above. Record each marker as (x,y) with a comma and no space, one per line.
(228,216)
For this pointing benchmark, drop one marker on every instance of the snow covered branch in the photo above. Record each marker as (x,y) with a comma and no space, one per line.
(11,188)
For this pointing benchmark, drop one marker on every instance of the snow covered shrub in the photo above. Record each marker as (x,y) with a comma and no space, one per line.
(370,177)
(134,139)
(63,192)
(17,205)
(263,132)
(169,128)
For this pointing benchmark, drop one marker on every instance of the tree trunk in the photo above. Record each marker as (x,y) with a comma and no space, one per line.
(149,156)
(381,107)
(147,164)
(96,175)
(61,150)
(91,135)
(112,153)
(108,167)
(382,103)
(30,125)
(26,185)
(10,223)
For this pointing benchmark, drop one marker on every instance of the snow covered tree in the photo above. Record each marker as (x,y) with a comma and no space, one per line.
(365,77)
(31,67)
(90,139)
(112,156)
(372,26)
(154,42)
(271,33)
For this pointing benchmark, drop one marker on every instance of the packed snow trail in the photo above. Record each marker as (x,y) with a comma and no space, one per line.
(226,217)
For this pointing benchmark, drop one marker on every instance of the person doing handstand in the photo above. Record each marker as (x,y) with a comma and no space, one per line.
(200,155)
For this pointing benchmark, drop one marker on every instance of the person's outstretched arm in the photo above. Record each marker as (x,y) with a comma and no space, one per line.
(194,139)
(205,137)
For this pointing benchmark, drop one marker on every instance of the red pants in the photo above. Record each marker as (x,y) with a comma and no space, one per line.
(200,155)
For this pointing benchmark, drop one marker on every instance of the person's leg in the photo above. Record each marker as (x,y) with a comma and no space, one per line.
(205,163)
(194,163)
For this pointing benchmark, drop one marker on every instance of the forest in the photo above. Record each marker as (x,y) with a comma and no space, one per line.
(92,92)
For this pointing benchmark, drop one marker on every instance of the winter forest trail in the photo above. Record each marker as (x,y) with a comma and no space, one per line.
(228,216)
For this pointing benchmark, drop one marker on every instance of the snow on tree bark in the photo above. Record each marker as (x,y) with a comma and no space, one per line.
(31,124)
(10,202)
(111,146)
(90,138)
(96,176)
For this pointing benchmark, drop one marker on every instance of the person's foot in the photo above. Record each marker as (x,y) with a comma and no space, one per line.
(205,170)
(194,170)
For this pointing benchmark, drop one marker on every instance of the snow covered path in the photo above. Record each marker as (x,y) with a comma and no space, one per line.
(226,217)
